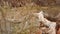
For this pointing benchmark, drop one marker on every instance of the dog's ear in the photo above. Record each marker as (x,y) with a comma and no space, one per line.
(39,14)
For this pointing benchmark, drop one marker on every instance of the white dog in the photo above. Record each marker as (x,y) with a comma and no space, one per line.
(51,25)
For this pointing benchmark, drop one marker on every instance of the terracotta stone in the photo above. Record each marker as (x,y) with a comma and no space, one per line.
(58,32)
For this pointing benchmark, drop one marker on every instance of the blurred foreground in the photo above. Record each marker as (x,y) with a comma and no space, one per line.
(19,19)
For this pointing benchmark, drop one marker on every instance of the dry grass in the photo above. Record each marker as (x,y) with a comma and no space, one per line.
(20,12)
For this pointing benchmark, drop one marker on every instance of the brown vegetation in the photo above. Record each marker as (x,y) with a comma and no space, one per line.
(20,3)
(21,11)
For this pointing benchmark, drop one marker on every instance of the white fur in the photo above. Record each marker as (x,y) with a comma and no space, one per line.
(51,25)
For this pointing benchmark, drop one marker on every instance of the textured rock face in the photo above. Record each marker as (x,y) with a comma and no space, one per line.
(40,2)
(58,2)
(48,2)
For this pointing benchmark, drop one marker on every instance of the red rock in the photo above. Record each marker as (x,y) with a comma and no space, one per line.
(58,32)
